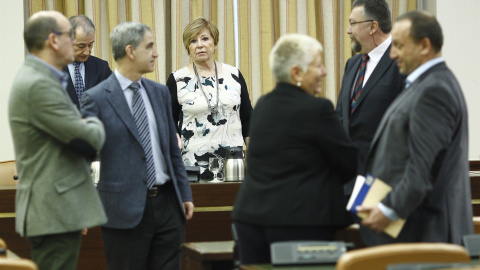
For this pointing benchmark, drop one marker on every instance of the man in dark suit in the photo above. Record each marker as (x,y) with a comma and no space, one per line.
(55,196)
(362,103)
(420,148)
(143,183)
(87,70)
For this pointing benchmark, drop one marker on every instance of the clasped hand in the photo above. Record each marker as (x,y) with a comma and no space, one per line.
(375,219)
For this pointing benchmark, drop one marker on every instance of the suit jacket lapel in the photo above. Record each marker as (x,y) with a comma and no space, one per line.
(380,69)
(158,110)
(117,100)
(90,73)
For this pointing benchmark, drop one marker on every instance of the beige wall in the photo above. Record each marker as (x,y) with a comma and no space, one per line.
(12,54)
(460,23)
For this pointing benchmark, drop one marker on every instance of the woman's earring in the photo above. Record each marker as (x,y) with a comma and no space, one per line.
(299,83)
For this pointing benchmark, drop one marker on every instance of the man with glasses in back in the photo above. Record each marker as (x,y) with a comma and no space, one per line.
(371,80)
(87,70)
(55,196)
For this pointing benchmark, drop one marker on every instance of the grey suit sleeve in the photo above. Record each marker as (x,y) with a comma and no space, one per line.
(430,128)
(55,115)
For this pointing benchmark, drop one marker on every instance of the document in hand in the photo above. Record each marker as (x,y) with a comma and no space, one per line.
(370,191)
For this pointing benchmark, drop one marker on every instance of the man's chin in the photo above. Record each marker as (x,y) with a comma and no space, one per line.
(81,60)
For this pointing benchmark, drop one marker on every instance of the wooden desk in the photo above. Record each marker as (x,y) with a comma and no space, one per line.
(475,190)
(204,255)
(211,222)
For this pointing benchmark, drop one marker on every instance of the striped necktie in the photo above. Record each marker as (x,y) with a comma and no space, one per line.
(359,83)
(141,121)
(78,81)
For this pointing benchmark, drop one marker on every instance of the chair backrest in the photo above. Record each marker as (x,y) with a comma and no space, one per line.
(7,172)
(3,248)
(17,264)
(379,257)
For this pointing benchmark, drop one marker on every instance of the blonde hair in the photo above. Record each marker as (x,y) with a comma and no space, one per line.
(195,27)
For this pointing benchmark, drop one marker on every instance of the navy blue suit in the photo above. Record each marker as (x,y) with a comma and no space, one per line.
(96,70)
(122,186)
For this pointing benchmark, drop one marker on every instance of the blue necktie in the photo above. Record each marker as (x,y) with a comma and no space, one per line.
(141,121)
(78,81)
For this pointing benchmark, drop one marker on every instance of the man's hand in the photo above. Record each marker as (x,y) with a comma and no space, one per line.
(188,206)
(375,220)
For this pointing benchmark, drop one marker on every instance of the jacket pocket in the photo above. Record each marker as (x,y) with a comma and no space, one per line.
(65,184)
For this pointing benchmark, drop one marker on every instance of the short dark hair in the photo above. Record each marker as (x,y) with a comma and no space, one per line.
(424,25)
(83,22)
(377,10)
(37,30)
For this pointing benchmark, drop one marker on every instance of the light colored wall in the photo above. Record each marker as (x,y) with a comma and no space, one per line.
(12,55)
(460,23)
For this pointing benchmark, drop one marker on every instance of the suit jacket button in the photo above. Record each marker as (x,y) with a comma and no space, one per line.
(144,181)
(144,158)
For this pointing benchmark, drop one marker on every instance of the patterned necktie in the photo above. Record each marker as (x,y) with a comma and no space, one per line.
(359,83)
(141,121)
(78,81)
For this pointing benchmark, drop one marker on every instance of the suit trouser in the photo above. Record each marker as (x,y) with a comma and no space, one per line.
(154,243)
(254,241)
(56,251)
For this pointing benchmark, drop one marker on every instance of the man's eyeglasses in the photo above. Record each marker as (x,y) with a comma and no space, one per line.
(71,33)
(352,24)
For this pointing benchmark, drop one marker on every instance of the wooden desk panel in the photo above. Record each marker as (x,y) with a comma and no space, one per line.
(475,189)
(204,255)
(211,222)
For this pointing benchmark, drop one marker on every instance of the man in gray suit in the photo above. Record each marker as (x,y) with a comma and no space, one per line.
(143,183)
(421,146)
(55,196)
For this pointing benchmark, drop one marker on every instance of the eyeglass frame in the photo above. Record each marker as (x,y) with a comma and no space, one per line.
(352,24)
(71,33)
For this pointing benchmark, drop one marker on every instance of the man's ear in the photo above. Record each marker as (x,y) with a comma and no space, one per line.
(373,27)
(129,50)
(52,41)
(426,46)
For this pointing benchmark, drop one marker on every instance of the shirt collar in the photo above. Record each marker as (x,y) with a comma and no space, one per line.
(62,76)
(422,69)
(124,81)
(377,53)
(80,66)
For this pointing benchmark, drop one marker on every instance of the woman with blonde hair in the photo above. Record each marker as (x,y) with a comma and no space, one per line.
(210,99)
(299,157)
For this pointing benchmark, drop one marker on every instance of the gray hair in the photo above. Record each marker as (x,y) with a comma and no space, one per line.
(84,22)
(124,34)
(292,50)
